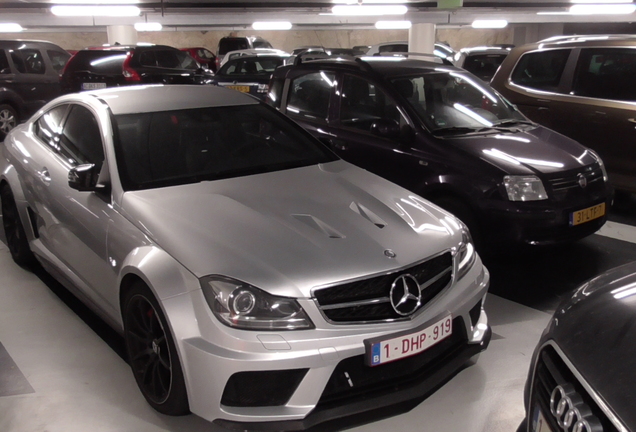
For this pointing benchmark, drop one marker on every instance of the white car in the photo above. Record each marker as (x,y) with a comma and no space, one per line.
(255,277)
(251,52)
(482,61)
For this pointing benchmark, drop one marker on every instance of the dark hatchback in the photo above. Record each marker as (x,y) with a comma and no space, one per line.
(249,74)
(582,376)
(115,66)
(447,136)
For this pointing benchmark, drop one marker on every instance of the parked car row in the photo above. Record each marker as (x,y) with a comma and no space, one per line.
(314,251)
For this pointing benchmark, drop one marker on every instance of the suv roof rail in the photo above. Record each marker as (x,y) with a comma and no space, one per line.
(427,56)
(310,55)
(588,37)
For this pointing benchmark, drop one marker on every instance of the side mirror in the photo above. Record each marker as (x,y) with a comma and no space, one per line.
(386,128)
(83,178)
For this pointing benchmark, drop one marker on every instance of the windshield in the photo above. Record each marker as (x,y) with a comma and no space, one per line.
(449,100)
(188,146)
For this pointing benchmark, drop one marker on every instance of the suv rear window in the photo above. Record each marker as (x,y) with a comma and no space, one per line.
(226,45)
(541,70)
(101,62)
(169,59)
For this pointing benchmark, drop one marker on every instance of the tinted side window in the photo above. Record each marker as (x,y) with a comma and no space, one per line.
(81,137)
(541,70)
(30,61)
(394,48)
(58,59)
(47,127)
(606,73)
(4,63)
(275,92)
(309,94)
(148,58)
(226,45)
(363,104)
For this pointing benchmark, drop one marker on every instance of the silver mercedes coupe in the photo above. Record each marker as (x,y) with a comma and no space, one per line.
(257,279)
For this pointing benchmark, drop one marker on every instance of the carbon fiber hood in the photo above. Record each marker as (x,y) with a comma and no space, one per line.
(289,231)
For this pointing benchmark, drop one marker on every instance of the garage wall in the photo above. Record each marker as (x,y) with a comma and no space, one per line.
(457,38)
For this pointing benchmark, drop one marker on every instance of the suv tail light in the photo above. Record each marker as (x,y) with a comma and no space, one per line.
(129,73)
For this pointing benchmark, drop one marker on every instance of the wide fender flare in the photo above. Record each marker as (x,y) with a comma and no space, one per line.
(10,176)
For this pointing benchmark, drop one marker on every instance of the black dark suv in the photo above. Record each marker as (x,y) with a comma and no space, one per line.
(115,66)
(444,134)
(29,77)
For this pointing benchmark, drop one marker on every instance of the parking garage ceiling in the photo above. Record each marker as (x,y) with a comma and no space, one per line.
(189,15)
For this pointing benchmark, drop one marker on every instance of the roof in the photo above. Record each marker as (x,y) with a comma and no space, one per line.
(586,40)
(154,98)
(384,66)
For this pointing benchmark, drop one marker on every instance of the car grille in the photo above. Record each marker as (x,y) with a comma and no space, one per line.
(368,300)
(550,372)
(570,179)
(352,378)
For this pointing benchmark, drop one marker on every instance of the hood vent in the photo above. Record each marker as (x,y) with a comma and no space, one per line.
(318,225)
(367,214)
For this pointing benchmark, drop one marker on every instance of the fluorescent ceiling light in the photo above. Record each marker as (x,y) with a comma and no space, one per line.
(386,25)
(362,10)
(604,9)
(95,2)
(10,27)
(148,26)
(272,25)
(601,1)
(107,11)
(355,2)
(484,24)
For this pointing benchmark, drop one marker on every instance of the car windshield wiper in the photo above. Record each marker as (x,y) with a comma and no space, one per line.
(458,130)
(512,122)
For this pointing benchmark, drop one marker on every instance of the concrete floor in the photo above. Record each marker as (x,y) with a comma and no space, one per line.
(61,369)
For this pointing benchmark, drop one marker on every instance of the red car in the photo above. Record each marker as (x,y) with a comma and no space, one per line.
(205,57)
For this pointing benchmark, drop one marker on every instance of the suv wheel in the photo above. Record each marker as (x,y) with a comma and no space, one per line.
(8,119)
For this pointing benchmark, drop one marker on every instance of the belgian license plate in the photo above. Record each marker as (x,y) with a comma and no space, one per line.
(587,214)
(244,89)
(539,423)
(93,86)
(399,347)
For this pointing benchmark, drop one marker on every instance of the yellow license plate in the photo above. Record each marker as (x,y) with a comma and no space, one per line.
(587,214)
(244,89)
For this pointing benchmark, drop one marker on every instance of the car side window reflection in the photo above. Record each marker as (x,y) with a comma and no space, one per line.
(362,104)
(81,139)
(4,63)
(48,128)
(28,61)
(309,95)
(541,70)
(606,73)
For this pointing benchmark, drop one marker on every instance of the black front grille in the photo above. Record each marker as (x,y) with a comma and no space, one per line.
(550,372)
(571,179)
(368,300)
(353,378)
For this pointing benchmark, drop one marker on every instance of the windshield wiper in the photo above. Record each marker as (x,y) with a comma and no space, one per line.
(513,122)
(462,130)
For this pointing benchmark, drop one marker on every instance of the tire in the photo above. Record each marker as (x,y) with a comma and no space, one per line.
(8,119)
(152,353)
(14,230)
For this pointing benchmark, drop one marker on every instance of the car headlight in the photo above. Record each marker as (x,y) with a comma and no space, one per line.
(466,254)
(243,306)
(525,188)
(600,163)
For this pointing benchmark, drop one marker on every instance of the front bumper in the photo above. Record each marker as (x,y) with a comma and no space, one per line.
(538,223)
(324,366)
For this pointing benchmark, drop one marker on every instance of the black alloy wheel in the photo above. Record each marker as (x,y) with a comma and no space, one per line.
(152,353)
(13,230)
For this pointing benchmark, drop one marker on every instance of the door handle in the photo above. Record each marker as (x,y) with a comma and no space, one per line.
(44,175)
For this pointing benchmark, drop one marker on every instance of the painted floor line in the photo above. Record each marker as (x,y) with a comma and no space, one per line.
(618,231)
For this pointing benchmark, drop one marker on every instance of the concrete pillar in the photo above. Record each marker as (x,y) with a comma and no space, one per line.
(122,34)
(422,38)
